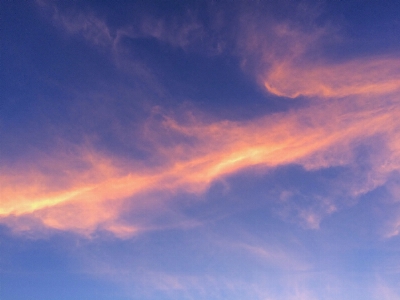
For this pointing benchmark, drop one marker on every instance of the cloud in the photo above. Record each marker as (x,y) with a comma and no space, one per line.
(182,32)
(383,290)
(288,58)
(371,76)
(145,282)
(68,192)
(85,190)
(90,26)
(275,257)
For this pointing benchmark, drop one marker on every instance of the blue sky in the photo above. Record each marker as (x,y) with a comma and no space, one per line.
(200,150)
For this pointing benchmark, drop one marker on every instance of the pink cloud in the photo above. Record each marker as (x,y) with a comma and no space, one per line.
(371,76)
(87,190)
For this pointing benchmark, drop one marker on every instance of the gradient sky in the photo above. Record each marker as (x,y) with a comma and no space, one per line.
(200,150)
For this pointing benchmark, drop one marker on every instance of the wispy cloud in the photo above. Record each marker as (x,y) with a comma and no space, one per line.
(288,59)
(136,179)
(383,290)
(371,76)
(81,191)
(91,27)
(180,32)
(88,189)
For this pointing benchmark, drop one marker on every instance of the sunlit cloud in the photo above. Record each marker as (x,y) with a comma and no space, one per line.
(200,150)
(90,190)
(87,190)
(285,70)
(367,77)
(288,59)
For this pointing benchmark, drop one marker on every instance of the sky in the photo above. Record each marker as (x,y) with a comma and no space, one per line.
(192,150)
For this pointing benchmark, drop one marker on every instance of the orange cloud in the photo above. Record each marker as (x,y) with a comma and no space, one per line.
(87,191)
(289,60)
(360,77)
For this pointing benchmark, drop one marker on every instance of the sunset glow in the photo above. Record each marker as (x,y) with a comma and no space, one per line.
(200,150)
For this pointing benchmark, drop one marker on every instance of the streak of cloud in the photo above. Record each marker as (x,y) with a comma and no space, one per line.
(90,188)
(362,77)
